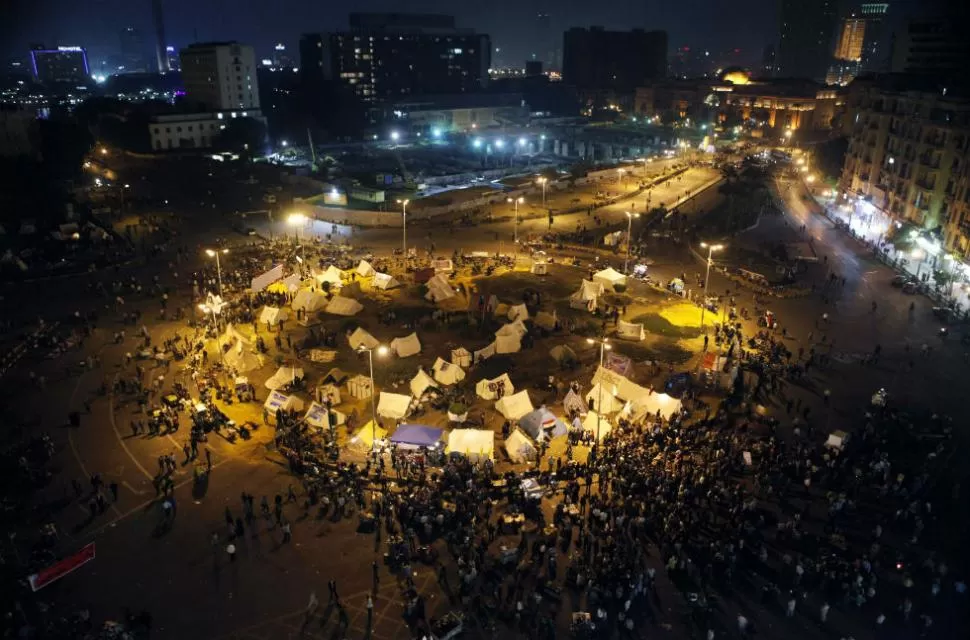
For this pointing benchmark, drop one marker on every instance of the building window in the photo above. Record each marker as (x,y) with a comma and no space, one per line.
(168,129)
(178,129)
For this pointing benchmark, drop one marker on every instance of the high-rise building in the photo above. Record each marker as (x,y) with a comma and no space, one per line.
(875,45)
(616,61)
(852,35)
(161,55)
(769,61)
(60,65)
(174,64)
(221,76)
(804,46)
(933,46)
(132,50)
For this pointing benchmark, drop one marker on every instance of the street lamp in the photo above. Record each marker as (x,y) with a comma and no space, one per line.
(542,181)
(297,220)
(919,254)
(605,346)
(515,229)
(381,350)
(711,248)
(629,238)
(213,253)
(404,229)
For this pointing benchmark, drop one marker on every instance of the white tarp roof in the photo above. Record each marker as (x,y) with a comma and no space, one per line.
(516,328)
(292,282)
(309,301)
(485,352)
(518,312)
(546,320)
(283,377)
(489,389)
(333,275)
(590,424)
(588,290)
(439,289)
(609,277)
(630,330)
(562,352)
(318,416)
(242,359)
(341,306)
(519,447)
(508,344)
(263,280)
(393,405)
(276,400)
(649,403)
(514,406)
(621,387)
(385,281)
(364,270)
(610,403)
(407,346)
(476,444)
(360,338)
(836,439)
(461,357)
(421,382)
(272,315)
(447,373)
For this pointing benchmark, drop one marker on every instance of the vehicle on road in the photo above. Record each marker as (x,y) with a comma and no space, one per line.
(911,287)
(946,315)
(899,280)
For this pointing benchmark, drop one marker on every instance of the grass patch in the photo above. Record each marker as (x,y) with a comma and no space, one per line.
(509,287)
(660,350)
(660,325)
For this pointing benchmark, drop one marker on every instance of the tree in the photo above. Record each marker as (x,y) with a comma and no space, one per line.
(242,135)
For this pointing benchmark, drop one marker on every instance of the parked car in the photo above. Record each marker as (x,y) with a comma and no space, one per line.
(899,280)
(911,286)
(946,315)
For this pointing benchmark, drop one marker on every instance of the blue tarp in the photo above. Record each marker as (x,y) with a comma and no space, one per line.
(418,435)
(542,423)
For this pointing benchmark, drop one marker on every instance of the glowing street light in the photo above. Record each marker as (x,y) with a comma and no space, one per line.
(515,225)
(522,142)
(711,248)
(214,253)
(404,229)
(810,179)
(919,254)
(381,351)
(284,143)
(436,133)
(297,221)
(499,143)
(605,346)
(629,238)
(542,180)
(395,136)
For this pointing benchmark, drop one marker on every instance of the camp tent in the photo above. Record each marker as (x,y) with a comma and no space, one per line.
(385,281)
(318,416)
(393,405)
(328,394)
(421,382)
(630,331)
(546,320)
(587,296)
(364,270)
(594,422)
(439,289)
(485,352)
(539,268)
(272,316)
(495,388)
(359,387)
(447,373)
(263,280)
(515,405)
(360,338)
(609,278)
(461,357)
(518,312)
(232,335)
(283,377)
(414,436)
(562,354)
(519,447)
(515,328)
(364,438)
(292,282)
(508,344)
(341,306)
(574,402)
(601,394)
(501,310)
(309,301)
(649,404)
(351,290)
(621,387)
(333,275)
(242,359)
(542,423)
(335,376)
(475,444)
(407,346)
(277,400)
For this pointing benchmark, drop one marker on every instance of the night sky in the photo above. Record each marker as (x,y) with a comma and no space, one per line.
(95,24)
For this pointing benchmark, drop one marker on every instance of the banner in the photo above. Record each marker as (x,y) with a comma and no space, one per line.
(61,568)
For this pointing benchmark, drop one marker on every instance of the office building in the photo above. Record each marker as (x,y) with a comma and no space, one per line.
(876,43)
(60,65)
(161,54)
(859,45)
(769,61)
(597,60)
(804,45)
(220,76)
(851,36)
(132,51)
(933,46)
(174,64)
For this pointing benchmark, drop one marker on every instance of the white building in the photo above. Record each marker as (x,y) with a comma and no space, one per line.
(220,75)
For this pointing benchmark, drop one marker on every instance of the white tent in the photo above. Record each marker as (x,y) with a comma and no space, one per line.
(574,402)
(351,290)
(361,338)
(546,320)
(359,387)
(341,306)
(539,268)
(263,280)
(508,344)
(393,405)
(494,388)
(309,301)
(421,382)
(562,353)
(447,373)
(648,404)
(439,289)
(485,352)
(609,278)
(515,405)
(593,421)
(516,328)
(621,387)
(333,275)
(318,416)
(242,359)
(276,400)
(519,447)
(407,346)
(292,282)
(630,331)
(283,377)
(476,444)
(587,295)
(385,281)
(232,335)
(364,270)
(518,312)
(272,315)
(461,357)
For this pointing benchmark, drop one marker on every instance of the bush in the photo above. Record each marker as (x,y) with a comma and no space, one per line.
(457,408)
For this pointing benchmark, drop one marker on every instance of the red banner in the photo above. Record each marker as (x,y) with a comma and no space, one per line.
(61,568)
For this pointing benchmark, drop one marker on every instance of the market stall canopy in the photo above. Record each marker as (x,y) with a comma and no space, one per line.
(272,315)
(546,320)
(439,289)
(562,353)
(341,306)
(475,444)
(461,357)
(447,373)
(421,382)
(518,312)
(574,402)
(364,269)
(630,331)
(515,405)
(366,434)
(542,423)
(508,344)
(495,388)
(602,399)
(649,404)
(609,278)
(309,301)
(417,435)
(283,377)
(361,338)
(393,405)
(836,439)
(519,447)
(407,346)
(277,400)
(594,422)
(359,387)
(242,359)
(333,275)
(385,281)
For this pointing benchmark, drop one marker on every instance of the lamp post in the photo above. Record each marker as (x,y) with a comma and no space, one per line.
(214,253)
(629,239)
(515,229)
(381,350)
(404,230)
(297,220)
(919,254)
(542,181)
(605,346)
(711,248)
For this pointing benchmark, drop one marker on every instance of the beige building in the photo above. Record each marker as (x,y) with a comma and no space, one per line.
(851,38)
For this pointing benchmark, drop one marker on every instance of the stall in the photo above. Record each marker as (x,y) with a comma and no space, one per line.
(416,436)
